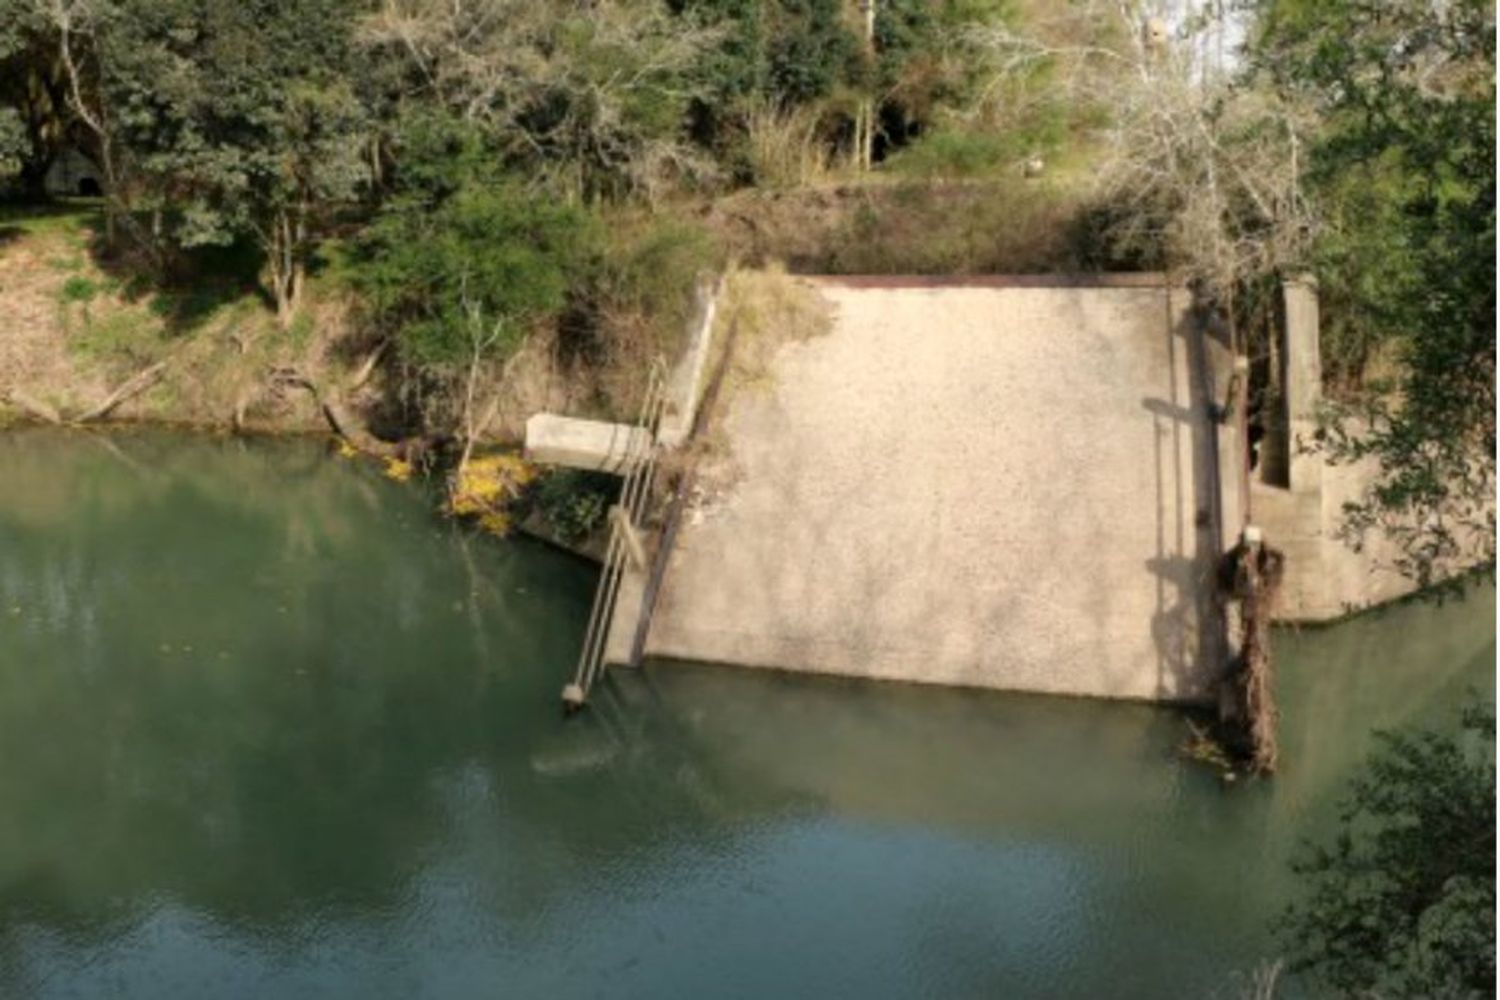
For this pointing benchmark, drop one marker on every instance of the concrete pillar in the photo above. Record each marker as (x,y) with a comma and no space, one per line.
(1303,385)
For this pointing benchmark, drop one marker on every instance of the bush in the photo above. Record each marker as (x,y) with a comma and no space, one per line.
(574,503)
(1403,902)
(634,303)
(463,257)
(950,153)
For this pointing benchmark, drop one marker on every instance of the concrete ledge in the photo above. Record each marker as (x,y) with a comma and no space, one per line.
(584,444)
(1131,279)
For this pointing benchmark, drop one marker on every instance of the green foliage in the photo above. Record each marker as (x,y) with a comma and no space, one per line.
(78,289)
(1404,171)
(34,117)
(1403,902)
(459,261)
(646,269)
(241,120)
(788,51)
(128,336)
(574,502)
(13,145)
(299,332)
(965,153)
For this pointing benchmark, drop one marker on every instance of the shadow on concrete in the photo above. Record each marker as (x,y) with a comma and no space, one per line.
(1188,625)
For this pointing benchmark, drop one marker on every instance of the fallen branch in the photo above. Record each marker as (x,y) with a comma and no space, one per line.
(36,407)
(367,367)
(345,423)
(130,388)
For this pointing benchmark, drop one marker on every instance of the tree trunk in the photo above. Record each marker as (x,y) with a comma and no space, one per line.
(94,119)
(864,128)
(34,179)
(284,261)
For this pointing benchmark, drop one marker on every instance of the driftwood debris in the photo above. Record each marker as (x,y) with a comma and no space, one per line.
(35,407)
(1250,577)
(129,389)
(345,422)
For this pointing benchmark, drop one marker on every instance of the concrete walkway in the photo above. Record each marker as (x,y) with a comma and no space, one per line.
(1003,484)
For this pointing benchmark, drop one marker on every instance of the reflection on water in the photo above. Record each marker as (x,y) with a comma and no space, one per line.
(268,728)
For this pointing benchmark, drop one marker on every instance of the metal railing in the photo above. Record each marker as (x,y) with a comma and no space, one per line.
(625,523)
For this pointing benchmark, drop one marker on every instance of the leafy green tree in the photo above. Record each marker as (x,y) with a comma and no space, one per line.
(783,51)
(1402,171)
(463,260)
(925,70)
(591,97)
(1402,903)
(238,119)
(34,118)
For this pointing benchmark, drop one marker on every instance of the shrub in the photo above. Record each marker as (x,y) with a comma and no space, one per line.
(950,153)
(574,503)
(1403,902)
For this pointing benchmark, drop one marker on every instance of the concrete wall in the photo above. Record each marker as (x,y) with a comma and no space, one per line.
(1325,577)
(69,170)
(1005,483)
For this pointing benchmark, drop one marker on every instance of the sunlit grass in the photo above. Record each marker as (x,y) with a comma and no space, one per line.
(71,216)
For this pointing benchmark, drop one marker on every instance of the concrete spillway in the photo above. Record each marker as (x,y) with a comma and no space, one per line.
(1002,483)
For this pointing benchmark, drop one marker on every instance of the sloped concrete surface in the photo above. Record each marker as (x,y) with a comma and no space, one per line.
(1002,487)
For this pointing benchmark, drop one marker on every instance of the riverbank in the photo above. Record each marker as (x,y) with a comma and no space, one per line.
(79,325)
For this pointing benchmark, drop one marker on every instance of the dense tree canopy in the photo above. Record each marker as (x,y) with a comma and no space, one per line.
(1351,137)
(1403,167)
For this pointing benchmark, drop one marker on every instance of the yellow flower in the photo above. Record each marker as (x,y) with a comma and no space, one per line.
(495,522)
(398,469)
(347,450)
(485,485)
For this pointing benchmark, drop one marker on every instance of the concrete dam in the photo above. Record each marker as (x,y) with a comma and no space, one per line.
(1020,483)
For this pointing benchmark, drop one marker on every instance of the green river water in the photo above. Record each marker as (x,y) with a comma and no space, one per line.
(270,728)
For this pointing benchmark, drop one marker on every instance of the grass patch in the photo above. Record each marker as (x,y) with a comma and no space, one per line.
(785,147)
(186,310)
(78,289)
(70,216)
(130,335)
(959,154)
(771,308)
(299,332)
(989,228)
